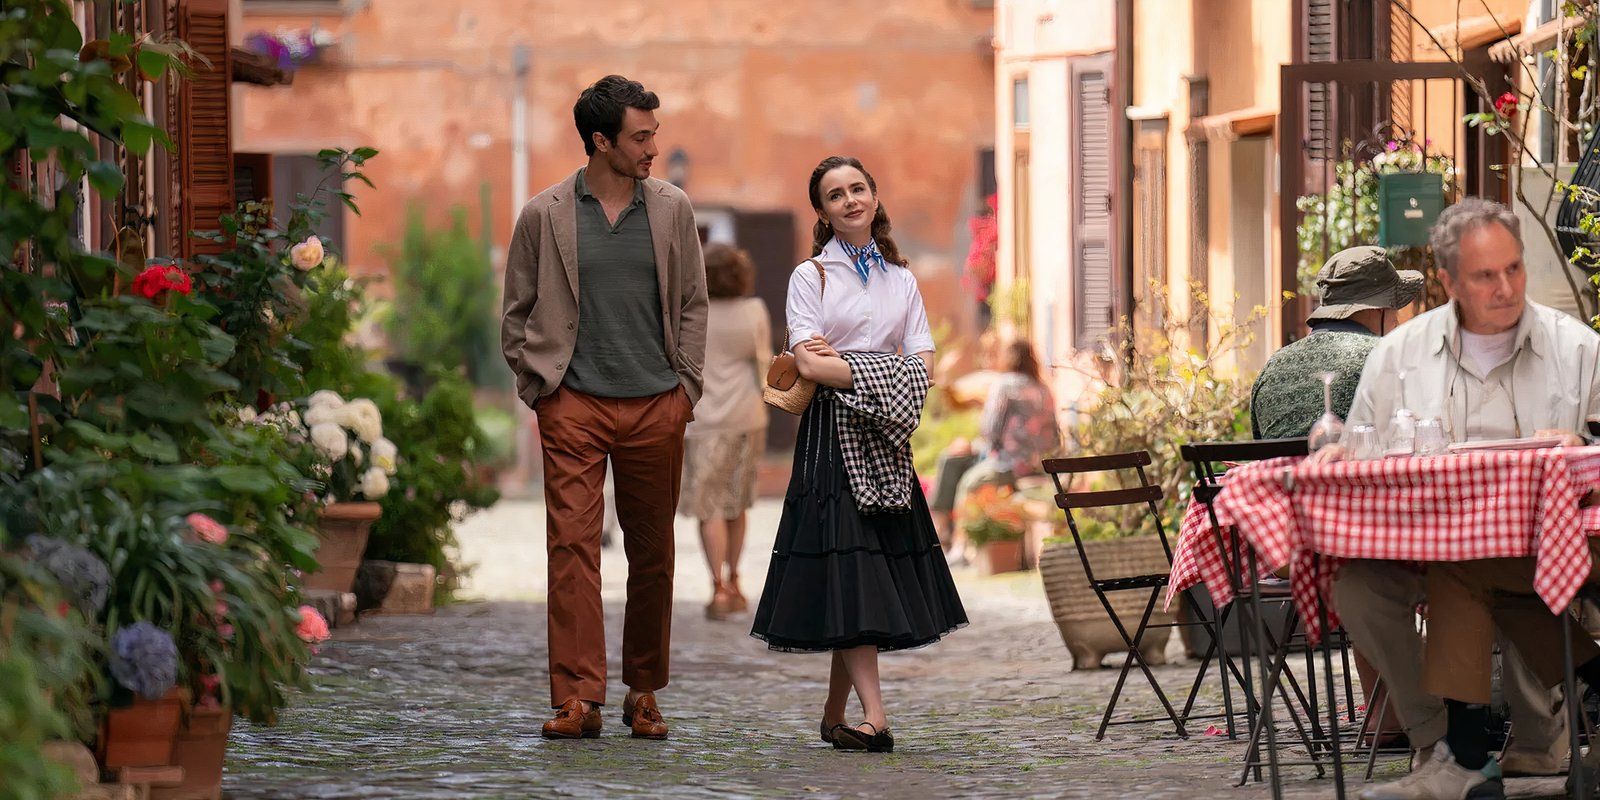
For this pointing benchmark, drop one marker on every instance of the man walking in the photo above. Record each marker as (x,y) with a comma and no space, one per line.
(605,329)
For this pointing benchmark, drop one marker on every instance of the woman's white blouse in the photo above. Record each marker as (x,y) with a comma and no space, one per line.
(882,315)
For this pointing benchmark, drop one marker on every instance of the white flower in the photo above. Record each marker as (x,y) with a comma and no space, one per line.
(247,415)
(331,440)
(294,418)
(363,417)
(355,455)
(307,254)
(385,455)
(374,484)
(325,397)
(324,415)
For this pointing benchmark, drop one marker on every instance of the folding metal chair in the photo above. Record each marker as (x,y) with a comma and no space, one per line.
(1063,471)
(1209,460)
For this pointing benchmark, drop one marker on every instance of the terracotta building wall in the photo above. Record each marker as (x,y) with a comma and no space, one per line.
(755,93)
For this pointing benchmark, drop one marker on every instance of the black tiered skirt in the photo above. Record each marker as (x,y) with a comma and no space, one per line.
(841,579)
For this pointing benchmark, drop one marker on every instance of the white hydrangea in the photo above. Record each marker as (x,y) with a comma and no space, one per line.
(324,415)
(355,455)
(362,416)
(331,440)
(325,397)
(385,455)
(247,415)
(374,484)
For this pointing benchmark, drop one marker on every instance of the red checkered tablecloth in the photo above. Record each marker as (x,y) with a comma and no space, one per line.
(1311,517)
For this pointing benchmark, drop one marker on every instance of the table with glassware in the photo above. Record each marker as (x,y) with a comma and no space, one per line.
(1488,500)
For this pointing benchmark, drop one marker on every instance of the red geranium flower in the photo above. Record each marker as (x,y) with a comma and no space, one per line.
(161,278)
(1506,104)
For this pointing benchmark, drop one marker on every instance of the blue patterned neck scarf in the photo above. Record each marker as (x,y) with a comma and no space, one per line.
(864,257)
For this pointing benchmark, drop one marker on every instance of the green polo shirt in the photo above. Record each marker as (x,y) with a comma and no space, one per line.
(620,350)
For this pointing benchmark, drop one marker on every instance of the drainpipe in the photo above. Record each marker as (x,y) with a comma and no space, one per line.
(1124,132)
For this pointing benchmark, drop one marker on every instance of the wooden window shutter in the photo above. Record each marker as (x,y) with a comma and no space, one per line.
(1319,30)
(205,148)
(1094,279)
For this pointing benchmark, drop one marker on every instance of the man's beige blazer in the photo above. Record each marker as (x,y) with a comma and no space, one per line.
(539,326)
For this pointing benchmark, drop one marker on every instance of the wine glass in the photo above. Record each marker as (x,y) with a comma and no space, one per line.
(1328,427)
(1430,438)
(1361,442)
(1402,433)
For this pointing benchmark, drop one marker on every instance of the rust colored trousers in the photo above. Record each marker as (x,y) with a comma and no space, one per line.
(643,437)
(1467,600)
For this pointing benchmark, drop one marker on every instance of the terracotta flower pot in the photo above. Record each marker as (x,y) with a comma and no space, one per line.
(141,734)
(344,528)
(201,746)
(1000,555)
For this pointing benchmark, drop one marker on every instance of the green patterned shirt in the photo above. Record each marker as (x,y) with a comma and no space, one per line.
(1287,397)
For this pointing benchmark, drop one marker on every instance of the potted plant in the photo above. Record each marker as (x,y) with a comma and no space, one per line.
(199,625)
(407,551)
(993,519)
(354,461)
(47,653)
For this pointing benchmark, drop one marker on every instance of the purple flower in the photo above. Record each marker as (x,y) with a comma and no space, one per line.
(83,577)
(144,659)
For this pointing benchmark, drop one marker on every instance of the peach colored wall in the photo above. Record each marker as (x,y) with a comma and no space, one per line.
(756,93)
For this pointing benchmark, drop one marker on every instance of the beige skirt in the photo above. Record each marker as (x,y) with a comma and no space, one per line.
(719,474)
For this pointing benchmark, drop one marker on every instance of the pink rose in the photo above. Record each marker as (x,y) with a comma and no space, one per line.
(216,586)
(222,609)
(225,631)
(312,628)
(307,254)
(208,529)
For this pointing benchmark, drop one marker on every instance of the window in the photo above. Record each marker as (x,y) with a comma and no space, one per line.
(1019,103)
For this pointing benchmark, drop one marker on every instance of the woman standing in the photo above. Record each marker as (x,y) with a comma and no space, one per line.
(723,445)
(844,580)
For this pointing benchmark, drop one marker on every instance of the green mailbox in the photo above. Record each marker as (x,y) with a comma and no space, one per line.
(1408,203)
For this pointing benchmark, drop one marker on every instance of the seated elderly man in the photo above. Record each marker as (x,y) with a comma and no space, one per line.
(1489,365)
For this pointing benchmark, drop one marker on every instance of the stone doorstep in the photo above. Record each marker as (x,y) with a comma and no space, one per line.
(339,608)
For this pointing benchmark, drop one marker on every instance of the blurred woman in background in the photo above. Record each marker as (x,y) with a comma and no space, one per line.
(723,445)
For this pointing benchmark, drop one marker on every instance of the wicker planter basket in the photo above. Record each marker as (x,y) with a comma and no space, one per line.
(1085,628)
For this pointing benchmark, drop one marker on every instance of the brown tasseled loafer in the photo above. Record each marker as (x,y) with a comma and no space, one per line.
(571,722)
(644,717)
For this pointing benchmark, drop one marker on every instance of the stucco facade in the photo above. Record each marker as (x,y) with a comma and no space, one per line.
(753,94)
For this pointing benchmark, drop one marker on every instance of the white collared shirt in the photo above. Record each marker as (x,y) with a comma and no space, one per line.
(883,314)
(1547,382)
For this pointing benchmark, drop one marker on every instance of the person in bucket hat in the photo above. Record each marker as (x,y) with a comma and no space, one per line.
(1361,293)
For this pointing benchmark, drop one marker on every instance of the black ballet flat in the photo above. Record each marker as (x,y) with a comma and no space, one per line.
(849,738)
(827,730)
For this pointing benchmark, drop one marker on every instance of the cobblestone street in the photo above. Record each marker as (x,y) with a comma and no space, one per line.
(449,706)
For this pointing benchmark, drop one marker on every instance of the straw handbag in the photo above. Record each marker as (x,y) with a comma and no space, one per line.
(785,390)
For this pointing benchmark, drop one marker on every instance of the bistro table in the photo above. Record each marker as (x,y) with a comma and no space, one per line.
(1311,518)
(1462,507)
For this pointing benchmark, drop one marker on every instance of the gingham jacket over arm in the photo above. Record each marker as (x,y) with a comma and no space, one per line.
(876,419)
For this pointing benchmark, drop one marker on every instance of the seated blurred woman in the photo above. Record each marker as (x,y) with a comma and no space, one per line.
(1017,430)
(723,445)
